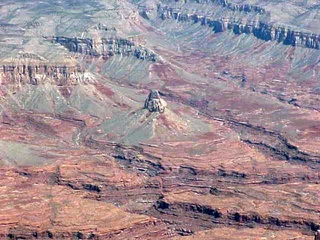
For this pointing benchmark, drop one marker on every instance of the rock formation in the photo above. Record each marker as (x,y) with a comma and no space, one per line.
(234,7)
(40,73)
(154,103)
(105,47)
(261,30)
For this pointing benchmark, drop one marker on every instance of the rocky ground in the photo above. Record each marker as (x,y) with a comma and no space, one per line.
(234,154)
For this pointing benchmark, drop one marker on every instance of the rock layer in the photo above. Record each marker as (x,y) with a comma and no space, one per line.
(259,29)
(231,6)
(40,73)
(105,47)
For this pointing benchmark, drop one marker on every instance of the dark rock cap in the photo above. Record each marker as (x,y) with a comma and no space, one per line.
(154,103)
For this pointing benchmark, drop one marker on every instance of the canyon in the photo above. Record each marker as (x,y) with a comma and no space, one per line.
(159,119)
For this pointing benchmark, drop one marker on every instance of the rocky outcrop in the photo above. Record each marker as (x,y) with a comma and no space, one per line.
(261,30)
(182,211)
(154,103)
(37,74)
(239,7)
(105,47)
(234,7)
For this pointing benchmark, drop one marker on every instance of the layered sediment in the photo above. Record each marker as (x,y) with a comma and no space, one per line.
(105,47)
(221,161)
(261,30)
(40,73)
(229,5)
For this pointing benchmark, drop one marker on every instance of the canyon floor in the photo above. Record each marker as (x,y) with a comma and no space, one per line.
(235,154)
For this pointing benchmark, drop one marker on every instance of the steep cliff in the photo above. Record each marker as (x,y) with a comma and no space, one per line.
(261,30)
(229,5)
(105,47)
(39,73)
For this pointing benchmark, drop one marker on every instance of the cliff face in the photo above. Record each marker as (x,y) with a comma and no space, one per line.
(234,7)
(37,74)
(32,69)
(261,30)
(105,47)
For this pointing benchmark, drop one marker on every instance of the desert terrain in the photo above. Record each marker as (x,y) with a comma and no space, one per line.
(228,148)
